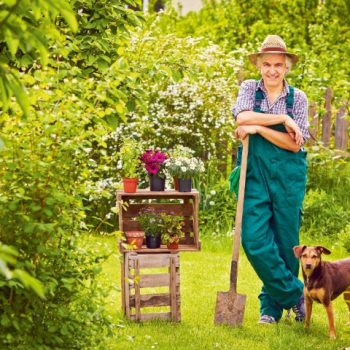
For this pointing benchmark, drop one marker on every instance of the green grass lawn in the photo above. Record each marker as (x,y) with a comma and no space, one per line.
(202,275)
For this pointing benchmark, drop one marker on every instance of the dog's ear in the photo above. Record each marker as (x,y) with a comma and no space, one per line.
(322,250)
(298,250)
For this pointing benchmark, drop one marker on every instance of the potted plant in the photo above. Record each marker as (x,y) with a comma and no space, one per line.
(170,230)
(184,169)
(177,152)
(150,221)
(135,239)
(154,164)
(130,153)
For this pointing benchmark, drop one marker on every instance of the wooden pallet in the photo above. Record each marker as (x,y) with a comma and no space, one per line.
(132,264)
(186,209)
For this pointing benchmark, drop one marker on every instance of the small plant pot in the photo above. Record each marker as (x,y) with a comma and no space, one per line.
(156,182)
(176,184)
(130,185)
(153,242)
(173,245)
(185,185)
(135,238)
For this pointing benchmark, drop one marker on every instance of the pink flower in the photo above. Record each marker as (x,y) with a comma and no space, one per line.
(152,168)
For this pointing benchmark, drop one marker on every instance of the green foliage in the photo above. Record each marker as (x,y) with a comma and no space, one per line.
(130,154)
(170,228)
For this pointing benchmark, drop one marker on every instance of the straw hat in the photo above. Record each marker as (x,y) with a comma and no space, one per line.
(273,44)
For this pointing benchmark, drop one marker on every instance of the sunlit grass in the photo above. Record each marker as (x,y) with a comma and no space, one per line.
(202,275)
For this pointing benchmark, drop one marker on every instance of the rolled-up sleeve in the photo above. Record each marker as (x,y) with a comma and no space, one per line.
(246,98)
(300,113)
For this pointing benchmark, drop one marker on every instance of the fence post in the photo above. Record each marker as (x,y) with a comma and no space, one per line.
(314,121)
(341,129)
(327,119)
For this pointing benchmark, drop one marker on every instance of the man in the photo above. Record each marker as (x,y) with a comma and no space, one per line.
(274,114)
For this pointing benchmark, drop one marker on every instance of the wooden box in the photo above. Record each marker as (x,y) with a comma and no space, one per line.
(185,207)
(133,280)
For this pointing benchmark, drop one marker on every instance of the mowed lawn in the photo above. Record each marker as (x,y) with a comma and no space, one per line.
(202,275)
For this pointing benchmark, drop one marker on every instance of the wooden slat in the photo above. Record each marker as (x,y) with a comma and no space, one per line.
(126,286)
(152,316)
(327,119)
(195,220)
(173,275)
(122,283)
(313,117)
(176,209)
(152,261)
(134,225)
(137,293)
(341,130)
(140,193)
(163,249)
(155,280)
(154,300)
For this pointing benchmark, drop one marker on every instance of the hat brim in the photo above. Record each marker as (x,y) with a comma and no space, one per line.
(253,58)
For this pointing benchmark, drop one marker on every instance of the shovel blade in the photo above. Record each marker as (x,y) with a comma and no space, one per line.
(230,308)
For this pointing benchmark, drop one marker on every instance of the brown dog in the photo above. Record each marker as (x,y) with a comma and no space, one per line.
(323,281)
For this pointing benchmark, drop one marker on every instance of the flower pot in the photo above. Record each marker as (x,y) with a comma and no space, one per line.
(135,238)
(153,242)
(185,185)
(176,184)
(173,245)
(130,185)
(157,183)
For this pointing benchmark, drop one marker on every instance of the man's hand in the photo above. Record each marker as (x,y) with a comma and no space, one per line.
(294,131)
(244,130)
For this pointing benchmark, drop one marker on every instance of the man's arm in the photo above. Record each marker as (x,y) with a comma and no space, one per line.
(280,139)
(264,119)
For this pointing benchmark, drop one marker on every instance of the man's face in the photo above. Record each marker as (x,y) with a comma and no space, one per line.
(273,69)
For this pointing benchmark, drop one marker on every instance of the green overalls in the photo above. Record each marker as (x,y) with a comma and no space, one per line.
(274,192)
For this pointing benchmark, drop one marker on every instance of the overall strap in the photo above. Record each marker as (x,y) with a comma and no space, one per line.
(259,96)
(290,101)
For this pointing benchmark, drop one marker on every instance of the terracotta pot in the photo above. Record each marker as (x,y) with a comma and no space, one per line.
(135,238)
(185,185)
(173,245)
(176,184)
(130,185)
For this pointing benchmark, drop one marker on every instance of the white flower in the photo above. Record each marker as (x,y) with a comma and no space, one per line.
(177,162)
(192,166)
(213,192)
(184,169)
(211,203)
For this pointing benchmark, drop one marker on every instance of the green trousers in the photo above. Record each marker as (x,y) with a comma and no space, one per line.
(274,192)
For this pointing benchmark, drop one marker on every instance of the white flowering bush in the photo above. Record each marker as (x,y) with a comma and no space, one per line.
(184,168)
(189,97)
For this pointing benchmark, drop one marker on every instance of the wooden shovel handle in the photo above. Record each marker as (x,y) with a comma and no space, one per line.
(239,214)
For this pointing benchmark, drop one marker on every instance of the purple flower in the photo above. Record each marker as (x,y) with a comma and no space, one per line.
(152,220)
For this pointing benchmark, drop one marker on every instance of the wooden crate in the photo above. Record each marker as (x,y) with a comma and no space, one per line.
(134,262)
(186,210)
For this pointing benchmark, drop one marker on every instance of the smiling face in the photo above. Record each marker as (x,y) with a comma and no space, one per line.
(273,69)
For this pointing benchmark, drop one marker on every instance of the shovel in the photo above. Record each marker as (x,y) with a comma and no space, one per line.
(230,305)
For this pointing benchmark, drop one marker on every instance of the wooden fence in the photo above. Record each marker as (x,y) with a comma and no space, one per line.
(341,127)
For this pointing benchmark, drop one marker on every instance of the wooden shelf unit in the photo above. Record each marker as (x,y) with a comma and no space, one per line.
(187,211)
(133,303)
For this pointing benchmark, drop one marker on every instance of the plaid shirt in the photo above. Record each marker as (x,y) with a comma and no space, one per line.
(246,102)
